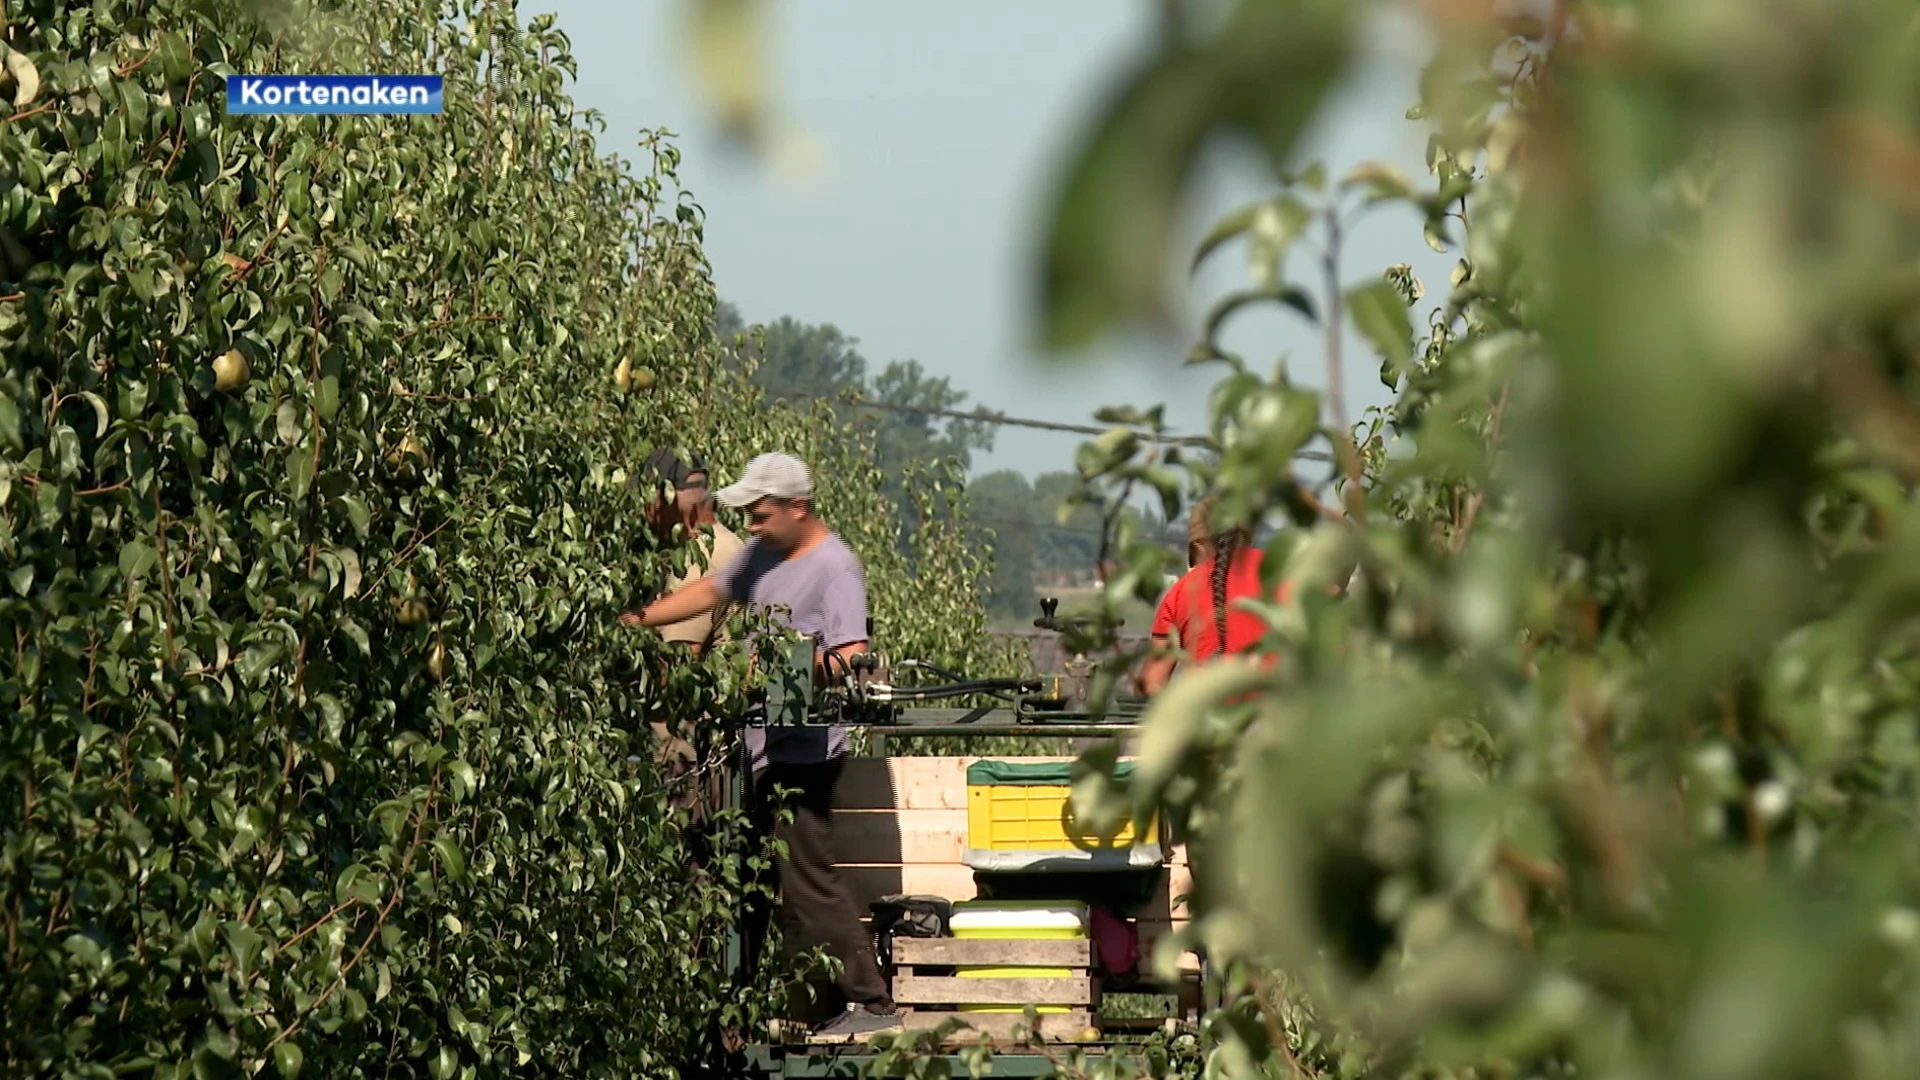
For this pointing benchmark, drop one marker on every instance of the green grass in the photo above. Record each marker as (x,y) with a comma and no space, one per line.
(1138,1006)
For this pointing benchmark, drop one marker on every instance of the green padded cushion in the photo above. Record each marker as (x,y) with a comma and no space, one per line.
(1030,773)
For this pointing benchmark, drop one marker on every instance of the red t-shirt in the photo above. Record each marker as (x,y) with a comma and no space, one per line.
(1188,608)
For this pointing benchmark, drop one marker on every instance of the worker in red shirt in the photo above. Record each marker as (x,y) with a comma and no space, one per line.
(1195,615)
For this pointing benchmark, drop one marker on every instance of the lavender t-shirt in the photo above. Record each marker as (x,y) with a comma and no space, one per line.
(822,594)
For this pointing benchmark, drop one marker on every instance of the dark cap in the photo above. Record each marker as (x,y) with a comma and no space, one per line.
(667,466)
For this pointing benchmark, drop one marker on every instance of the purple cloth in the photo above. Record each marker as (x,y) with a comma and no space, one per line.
(822,594)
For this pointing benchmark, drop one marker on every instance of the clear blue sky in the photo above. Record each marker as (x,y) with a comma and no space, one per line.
(942,124)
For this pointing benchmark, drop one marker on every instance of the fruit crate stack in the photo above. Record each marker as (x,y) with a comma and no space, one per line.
(1002,958)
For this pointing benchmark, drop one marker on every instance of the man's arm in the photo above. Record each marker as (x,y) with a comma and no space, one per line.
(845,636)
(697,598)
(825,671)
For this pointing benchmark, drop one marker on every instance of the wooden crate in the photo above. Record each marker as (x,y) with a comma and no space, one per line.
(928,995)
(899,826)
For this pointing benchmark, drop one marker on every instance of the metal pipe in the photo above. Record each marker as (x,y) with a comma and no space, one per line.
(959,689)
(1007,685)
(935,668)
(1042,731)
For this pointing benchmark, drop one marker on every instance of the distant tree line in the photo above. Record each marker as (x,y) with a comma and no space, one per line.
(1033,547)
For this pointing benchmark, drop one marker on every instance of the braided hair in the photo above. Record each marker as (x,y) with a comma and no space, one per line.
(1226,544)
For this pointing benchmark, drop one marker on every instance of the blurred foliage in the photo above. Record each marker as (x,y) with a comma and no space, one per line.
(326,753)
(1603,763)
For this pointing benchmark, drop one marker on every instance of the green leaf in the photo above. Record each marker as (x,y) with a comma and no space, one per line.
(245,943)
(1112,447)
(288,1058)
(358,635)
(21,578)
(1275,223)
(136,558)
(26,77)
(286,423)
(351,572)
(176,60)
(465,782)
(332,713)
(85,949)
(1272,234)
(454,863)
(300,471)
(133,98)
(1176,716)
(246,830)
(1380,315)
(66,451)
(330,284)
(132,398)
(328,397)
(258,659)
(100,414)
(356,882)
(1382,182)
(1287,295)
(1110,222)
(357,514)
(10,423)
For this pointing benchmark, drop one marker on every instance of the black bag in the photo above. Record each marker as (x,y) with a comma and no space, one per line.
(896,915)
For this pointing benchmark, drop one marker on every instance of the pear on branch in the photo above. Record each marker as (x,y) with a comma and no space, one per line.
(230,371)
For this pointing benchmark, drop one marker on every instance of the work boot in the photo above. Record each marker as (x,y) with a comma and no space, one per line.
(862,1020)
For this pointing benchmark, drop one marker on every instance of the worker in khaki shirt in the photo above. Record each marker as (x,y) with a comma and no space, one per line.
(680,512)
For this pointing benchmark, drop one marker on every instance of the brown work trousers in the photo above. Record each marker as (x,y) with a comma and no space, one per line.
(816,902)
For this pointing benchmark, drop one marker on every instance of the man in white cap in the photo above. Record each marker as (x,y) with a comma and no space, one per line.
(806,575)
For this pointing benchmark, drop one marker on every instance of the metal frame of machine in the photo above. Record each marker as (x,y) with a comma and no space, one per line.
(861,693)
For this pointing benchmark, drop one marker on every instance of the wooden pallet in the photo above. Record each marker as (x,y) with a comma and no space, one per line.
(929,994)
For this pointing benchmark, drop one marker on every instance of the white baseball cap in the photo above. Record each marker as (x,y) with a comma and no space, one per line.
(769,476)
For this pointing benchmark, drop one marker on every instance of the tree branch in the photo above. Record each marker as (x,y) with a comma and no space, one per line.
(1343,447)
(368,580)
(30,112)
(439,324)
(393,901)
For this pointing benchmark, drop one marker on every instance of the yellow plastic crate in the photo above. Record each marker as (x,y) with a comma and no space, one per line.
(1033,817)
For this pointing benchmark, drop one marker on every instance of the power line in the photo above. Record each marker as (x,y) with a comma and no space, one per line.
(1078,530)
(999,419)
